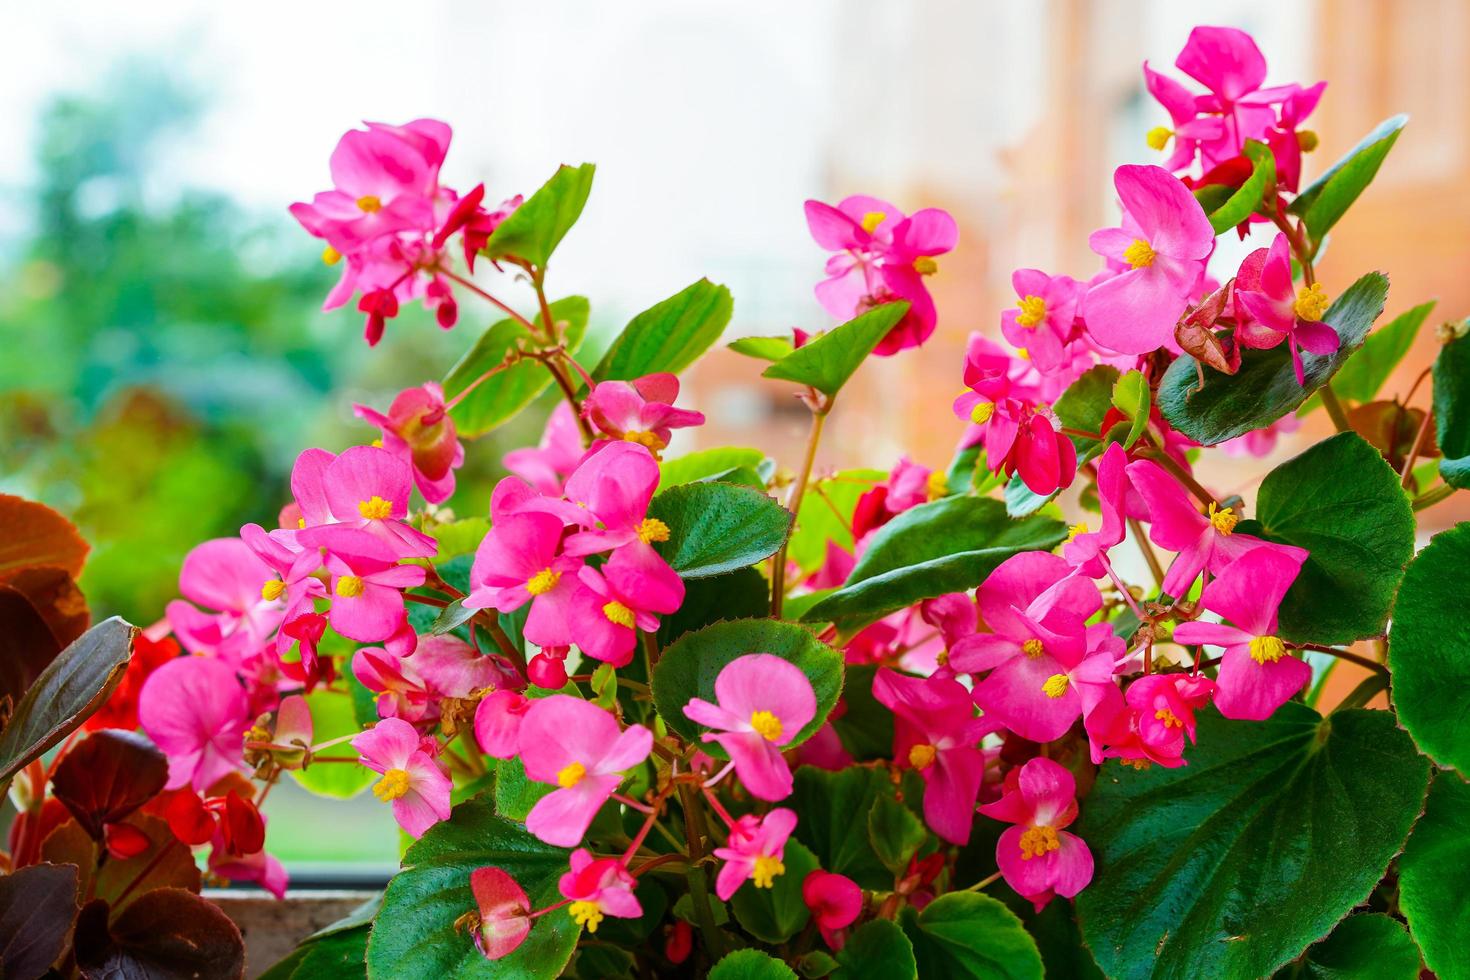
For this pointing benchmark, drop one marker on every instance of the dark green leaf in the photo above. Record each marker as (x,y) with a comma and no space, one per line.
(1021,501)
(414,935)
(762,348)
(816,963)
(1330,195)
(707,464)
(514,793)
(1196,866)
(829,804)
(879,950)
(1265,388)
(773,915)
(896,832)
(1362,947)
(866,727)
(1366,371)
(534,229)
(949,545)
(751,964)
(1248,197)
(339,956)
(741,594)
(498,399)
(1343,503)
(718,527)
(1131,397)
(965,934)
(669,336)
(688,668)
(1434,878)
(1452,411)
(826,362)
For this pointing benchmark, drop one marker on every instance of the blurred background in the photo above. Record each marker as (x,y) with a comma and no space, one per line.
(163,356)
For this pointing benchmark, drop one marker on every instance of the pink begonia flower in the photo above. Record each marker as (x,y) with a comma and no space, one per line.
(194,709)
(836,567)
(402,692)
(882,256)
(367,586)
(1086,549)
(1257,675)
(296,585)
(603,618)
(936,732)
(419,431)
(615,485)
(641,410)
(226,575)
(548,465)
(364,489)
(520,561)
(824,750)
(1042,324)
(1164,240)
(1287,141)
(1189,129)
(1203,541)
(548,668)
(993,375)
(764,702)
(754,851)
(454,669)
(835,902)
(599,887)
(1038,612)
(1275,311)
(1166,704)
(1261,442)
(498,719)
(577,747)
(504,912)
(1037,857)
(260,868)
(413,779)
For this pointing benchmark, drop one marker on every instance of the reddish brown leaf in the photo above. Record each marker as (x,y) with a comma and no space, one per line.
(56,597)
(27,646)
(167,863)
(37,906)
(33,535)
(166,934)
(107,776)
(1196,334)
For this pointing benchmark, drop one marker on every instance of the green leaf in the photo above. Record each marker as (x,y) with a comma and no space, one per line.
(669,336)
(707,464)
(830,804)
(1022,501)
(1230,866)
(949,545)
(1343,503)
(718,527)
(1429,649)
(965,934)
(1366,371)
(773,915)
(741,594)
(1085,404)
(1362,947)
(1328,197)
(332,716)
(826,362)
(816,963)
(498,399)
(1131,397)
(688,668)
(866,727)
(1434,878)
(414,936)
(751,964)
(826,515)
(459,537)
(67,692)
(339,956)
(451,618)
(877,949)
(896,832)
(534,229)
(1265,388)
(1248,198)
(1452,411)
(515,794)
(762,348)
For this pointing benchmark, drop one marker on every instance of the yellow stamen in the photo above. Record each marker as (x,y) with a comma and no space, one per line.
(349,586)
(872,220)
(542,582)
(1023,353)
(925,266)
(1307,140)
(1267,649)
(1033,311)
(763,875)
(618,613)
(393,785)
(1158,137)
(937,485)
(981,413)
(1311,302)
(330,256)
(942,658)
(1139,764)
(272,590)
(370,203)
(1037,841)
(587,914)
(651,529)
(1079,528)
(1140,255)
(375,508)
(1033,648)
(1224,519)
(1169,718)
(1055,685)
(648,439)
(922,756)
(571,775)
(767,724)
(300,523)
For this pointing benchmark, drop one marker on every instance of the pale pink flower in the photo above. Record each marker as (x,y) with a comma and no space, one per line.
(413,779)
(754,850)
(641,410)
(555,457)
(364,489)
(225,575)
(763,703)
(504,912)
(521,561)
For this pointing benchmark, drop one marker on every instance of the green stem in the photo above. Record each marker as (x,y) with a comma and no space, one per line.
(1364,692)
(698,880)
(1334,408)
(778,570)
(1433,496)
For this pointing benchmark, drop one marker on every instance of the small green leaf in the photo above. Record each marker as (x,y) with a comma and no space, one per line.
(1131,397)
(1434,878)
(896,833)
(707,464)
(669,336)
(1452,411)
(773,915)
(459,537)
(534,229)
(1362,947)
(1366,371)
(1265,388)
(688,668)
(965,934)
(514,793)
(1022,501)
(762,348)
(816,963)
(751,964)
(1248,198)
(877,949)
(498,399)
(332,716)
(1330,195)
(718,527)
(451,618)
(826,516)
(830,804)
(827,361)
(1085,404)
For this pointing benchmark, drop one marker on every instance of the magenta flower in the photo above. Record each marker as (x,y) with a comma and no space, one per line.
(1164,241)
(603,617)
(419,431)
(1257,674)
(599,887)
(1165,706)
(577,747)
(936,732)
(520,561)
(402,692)
(1189,129)
(1285,139)
(498,719)
(1086,549)
(1037,857)
(364,489)
(754,851)
(226,575)
(453,669)
(1203,541)
(548,465)
(641,410)
(504,912)
(194,709)
(764,701)
(1261,442)
(367,585)
(1271,311)
(835,902)
(1043,321)
(413,780)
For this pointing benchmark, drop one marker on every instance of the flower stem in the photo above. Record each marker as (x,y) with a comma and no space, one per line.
(1334,408)
(1408,471)
(698,880)
(1135,527)
(1349,656)
(1433,496)
(991,879)
(778,570)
